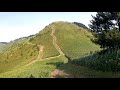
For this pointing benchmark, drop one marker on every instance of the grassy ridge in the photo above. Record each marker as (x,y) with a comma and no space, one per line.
(73,40)
(17,56)
(44,38)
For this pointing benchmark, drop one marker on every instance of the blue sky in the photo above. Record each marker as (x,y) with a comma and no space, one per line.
(14,25)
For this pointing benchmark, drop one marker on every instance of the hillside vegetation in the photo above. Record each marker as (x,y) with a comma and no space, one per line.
(73,40)
(39,69)
(43,38)
(47,55)
(18,56)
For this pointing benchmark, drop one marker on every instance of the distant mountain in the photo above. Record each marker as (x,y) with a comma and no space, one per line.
(81,25)
(2,46)
(3,43)
(5,46)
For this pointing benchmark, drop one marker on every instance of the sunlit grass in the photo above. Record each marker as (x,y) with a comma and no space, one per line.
(17,56)
(73,40)
(39,69)
(44,38)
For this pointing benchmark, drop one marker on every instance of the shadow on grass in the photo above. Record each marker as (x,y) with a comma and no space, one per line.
(66,70)
(95,65)
(103,61)
(56,64)
(59,72)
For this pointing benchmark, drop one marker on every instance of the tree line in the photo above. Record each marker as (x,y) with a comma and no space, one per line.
(105,27)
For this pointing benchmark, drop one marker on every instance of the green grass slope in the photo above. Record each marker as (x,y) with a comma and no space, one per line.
(39,69)
(19,52)
(44,38)
(17,56)
(73,40)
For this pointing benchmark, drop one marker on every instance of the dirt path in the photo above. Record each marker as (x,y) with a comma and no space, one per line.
(54,42)
(50,58)
(39,57)
(59,74)
(56,73)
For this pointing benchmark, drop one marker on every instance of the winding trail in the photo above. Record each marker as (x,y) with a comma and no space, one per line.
(56,72)
(41,48)
(39,55)
(54,42)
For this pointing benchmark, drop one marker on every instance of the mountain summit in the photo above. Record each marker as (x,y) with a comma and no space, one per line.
(57,42)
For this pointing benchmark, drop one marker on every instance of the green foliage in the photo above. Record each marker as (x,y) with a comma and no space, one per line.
(105,61)
(110,39)
(103,21)
(17,56)
(73,40)
(113,39)
(77,71)
(106,27)
(31,76)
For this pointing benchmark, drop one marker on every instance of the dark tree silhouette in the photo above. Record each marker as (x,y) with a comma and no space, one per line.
(105,26)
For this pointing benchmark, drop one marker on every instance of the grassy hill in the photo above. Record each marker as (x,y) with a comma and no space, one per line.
(44,38)
(20,59)
(16,54)
(73,40)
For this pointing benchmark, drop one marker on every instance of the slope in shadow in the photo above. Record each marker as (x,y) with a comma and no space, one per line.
(65,70)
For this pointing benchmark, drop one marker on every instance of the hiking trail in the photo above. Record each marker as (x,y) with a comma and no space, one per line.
(39,57)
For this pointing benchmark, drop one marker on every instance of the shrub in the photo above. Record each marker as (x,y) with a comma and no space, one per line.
(104,61)
(31,76)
